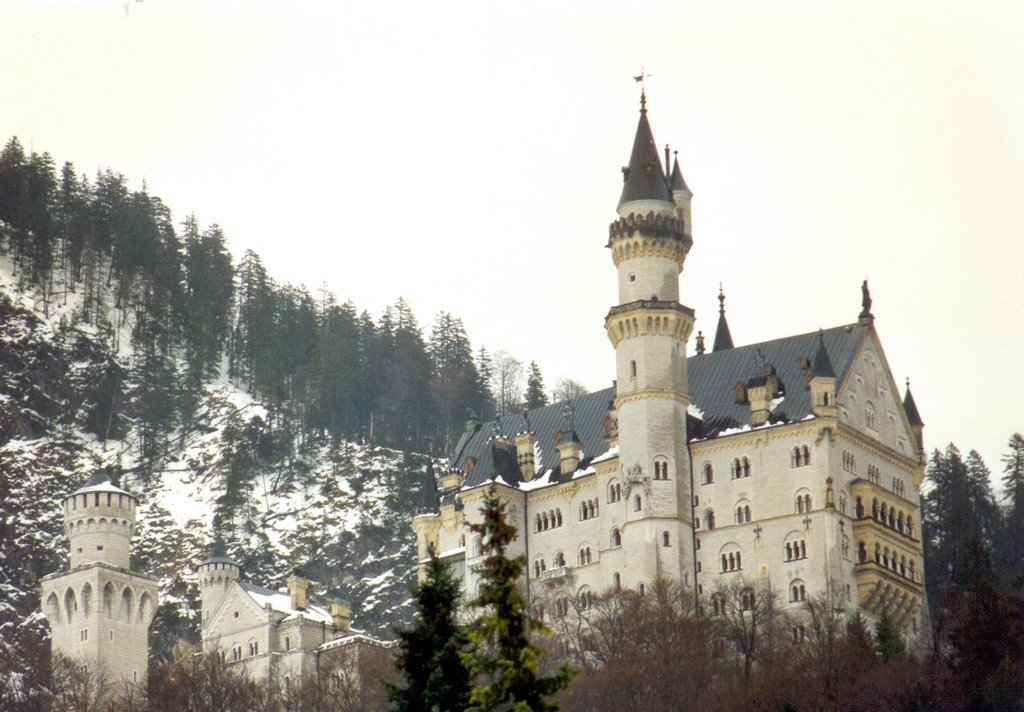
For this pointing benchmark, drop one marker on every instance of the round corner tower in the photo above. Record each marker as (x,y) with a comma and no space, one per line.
(100,610)
(649,329)
(215,576)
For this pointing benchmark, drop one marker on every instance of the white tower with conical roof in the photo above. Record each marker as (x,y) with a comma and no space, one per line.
(649,329)
(100,610)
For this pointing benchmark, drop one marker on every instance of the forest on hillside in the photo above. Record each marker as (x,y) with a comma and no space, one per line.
(170,294)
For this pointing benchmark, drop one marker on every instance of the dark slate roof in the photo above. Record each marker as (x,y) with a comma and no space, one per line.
(645,180)
(822,364)
(911,408)
(678,182)
(98,478)
(712,377)
(219,555)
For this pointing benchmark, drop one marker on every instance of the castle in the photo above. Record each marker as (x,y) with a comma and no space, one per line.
(792,461)
(100,610)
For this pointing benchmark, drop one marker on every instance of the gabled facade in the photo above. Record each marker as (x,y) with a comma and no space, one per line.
(792,461)
(275,636)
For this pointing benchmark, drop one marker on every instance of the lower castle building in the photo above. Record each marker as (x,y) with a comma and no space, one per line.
(279,637)
(793,462)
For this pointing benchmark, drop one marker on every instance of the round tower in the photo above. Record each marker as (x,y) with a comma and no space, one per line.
(649,329)
(99,519)
(215,575)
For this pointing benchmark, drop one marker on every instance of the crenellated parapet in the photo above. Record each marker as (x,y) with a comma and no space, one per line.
(650,235)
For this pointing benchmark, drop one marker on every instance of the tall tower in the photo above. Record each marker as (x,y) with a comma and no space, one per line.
(649,329)
(100,610)
(215,576)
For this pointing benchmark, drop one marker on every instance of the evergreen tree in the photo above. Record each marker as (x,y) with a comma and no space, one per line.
(535,396)
(888,642)
(504,657)
(1011,548)
(431,651)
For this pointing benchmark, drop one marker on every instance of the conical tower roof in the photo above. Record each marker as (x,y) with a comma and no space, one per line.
(645,179)
(102,481)
(822,363)
(910,407)
(677,180)
(723,339)
(219,555)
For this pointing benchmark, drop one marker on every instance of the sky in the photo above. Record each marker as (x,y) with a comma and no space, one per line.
(466,156)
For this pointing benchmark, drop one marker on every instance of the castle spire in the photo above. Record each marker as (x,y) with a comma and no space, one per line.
(676,179)
(822,363)
(911,408)
(723,339)
(644,178)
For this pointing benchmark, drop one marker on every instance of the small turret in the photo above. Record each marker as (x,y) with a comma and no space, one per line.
(100,519)
(644,186)
(215,575)
(823,383)
(914,418)
(681,195)
(297,587)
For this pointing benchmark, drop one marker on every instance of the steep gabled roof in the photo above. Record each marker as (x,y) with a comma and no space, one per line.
(677,180)
(711,380)
(723,339)
(282,603)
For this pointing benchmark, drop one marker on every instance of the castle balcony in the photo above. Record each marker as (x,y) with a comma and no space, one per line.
(880,588)
(874,503)
(556,574)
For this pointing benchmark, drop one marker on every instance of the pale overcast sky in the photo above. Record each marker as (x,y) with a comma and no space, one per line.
(467,157)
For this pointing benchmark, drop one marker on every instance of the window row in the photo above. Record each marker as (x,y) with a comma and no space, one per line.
(660,470)
(548,520)
(740,468)
(889,560)
(894,518)
(849,462)
(800,456)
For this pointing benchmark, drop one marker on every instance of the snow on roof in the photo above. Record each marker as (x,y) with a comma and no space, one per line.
(282,603)
(610,453)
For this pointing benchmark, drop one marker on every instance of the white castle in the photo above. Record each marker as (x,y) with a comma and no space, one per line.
(99,610)
(791,461)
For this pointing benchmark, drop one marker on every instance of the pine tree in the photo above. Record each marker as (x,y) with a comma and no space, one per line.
(535,396)
(431,651)
(1011,545)
(503,654)
(888,641)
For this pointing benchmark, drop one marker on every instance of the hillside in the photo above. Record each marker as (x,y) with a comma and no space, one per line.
(69,404)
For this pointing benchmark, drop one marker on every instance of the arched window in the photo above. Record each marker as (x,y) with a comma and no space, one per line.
(616,537)
(910,526)
(869,415)
(708,473)
(746,467)
(478,547)
(709,519)
(796,458)
(806,450)
(803,501)
(638,504)
(614,491)
(558,517)
(795,546)
(616,581)
(797,591)
(910,570)
(747,599)
(632,369)
(660,469)
(666,539)
(236,651)
(717,604)
(862,552)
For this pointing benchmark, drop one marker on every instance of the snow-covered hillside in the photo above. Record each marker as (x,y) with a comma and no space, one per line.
(340,511)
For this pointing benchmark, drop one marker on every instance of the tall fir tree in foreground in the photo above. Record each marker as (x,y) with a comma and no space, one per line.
(430,656)
(1011,553)
(504,658)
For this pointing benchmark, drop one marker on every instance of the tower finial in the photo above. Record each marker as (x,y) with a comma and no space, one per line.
(723,339)
(643,89)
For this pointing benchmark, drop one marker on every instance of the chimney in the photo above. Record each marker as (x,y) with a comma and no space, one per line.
(568,444)
(341,614)
(297,586)
(760,392)
(525,443)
